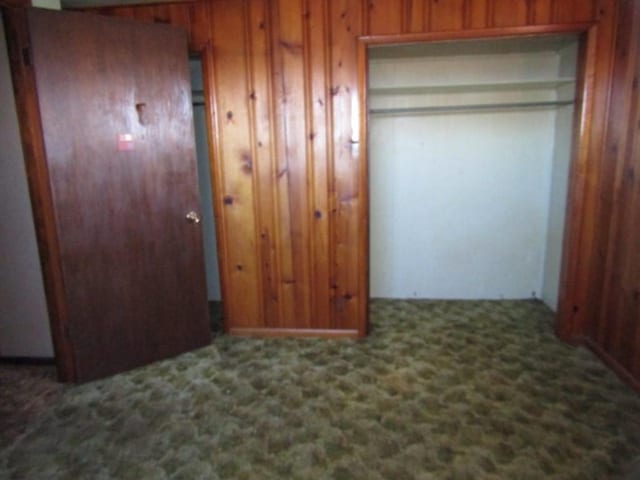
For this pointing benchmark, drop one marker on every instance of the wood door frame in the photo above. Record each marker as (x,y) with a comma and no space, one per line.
(567,326)
(32,137)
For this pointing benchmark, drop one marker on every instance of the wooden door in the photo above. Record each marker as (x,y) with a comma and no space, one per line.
(106,116)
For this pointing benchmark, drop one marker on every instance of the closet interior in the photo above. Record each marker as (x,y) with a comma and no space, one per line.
(469,152)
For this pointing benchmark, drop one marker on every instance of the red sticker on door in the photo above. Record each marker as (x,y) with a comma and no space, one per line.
(125,142)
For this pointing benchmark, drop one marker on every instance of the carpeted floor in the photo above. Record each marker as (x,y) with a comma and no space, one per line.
(439,390)
(25,392)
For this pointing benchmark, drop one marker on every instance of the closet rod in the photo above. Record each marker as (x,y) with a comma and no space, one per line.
(463,108)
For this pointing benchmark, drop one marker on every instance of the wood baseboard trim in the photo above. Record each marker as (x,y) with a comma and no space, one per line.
(293,332)
(27,361)
(613,364)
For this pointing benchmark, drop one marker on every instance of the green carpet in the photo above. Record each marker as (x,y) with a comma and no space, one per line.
(439,390)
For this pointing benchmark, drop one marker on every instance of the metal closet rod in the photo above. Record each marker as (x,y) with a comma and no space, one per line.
(463,108)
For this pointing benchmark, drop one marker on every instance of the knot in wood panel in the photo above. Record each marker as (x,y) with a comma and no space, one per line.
(247,162)
(294,48)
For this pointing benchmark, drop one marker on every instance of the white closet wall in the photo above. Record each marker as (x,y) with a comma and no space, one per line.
(559,180)
(460,200)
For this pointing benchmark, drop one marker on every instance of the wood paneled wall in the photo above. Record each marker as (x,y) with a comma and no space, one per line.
(290,179)
(614,331)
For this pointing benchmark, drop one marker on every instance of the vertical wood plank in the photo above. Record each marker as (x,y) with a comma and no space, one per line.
(149,13)
(539,12)
(346,24)
(263,152)
(567,11)
(414,18)
(321,152)
(446,15)
(509,13)
(199,25)
(179,15)
(623,305)
(234,165)
(384,16)
(477,14)
(619,319)
(633,238)
(363,239)
(292,191)
(616,138)
(628,303)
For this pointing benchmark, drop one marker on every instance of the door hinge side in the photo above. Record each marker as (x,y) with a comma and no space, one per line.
(26,55)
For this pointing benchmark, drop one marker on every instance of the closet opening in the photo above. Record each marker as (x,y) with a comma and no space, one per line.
(469,150)
(210,243)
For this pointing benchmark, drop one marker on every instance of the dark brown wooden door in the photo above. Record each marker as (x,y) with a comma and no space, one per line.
(115,109)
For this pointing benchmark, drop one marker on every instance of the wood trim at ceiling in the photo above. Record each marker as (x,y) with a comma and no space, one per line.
(476,34)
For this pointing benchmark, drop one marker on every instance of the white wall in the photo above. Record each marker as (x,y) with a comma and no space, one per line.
(206,195)
(460,201)
(24,322)
(559,182)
